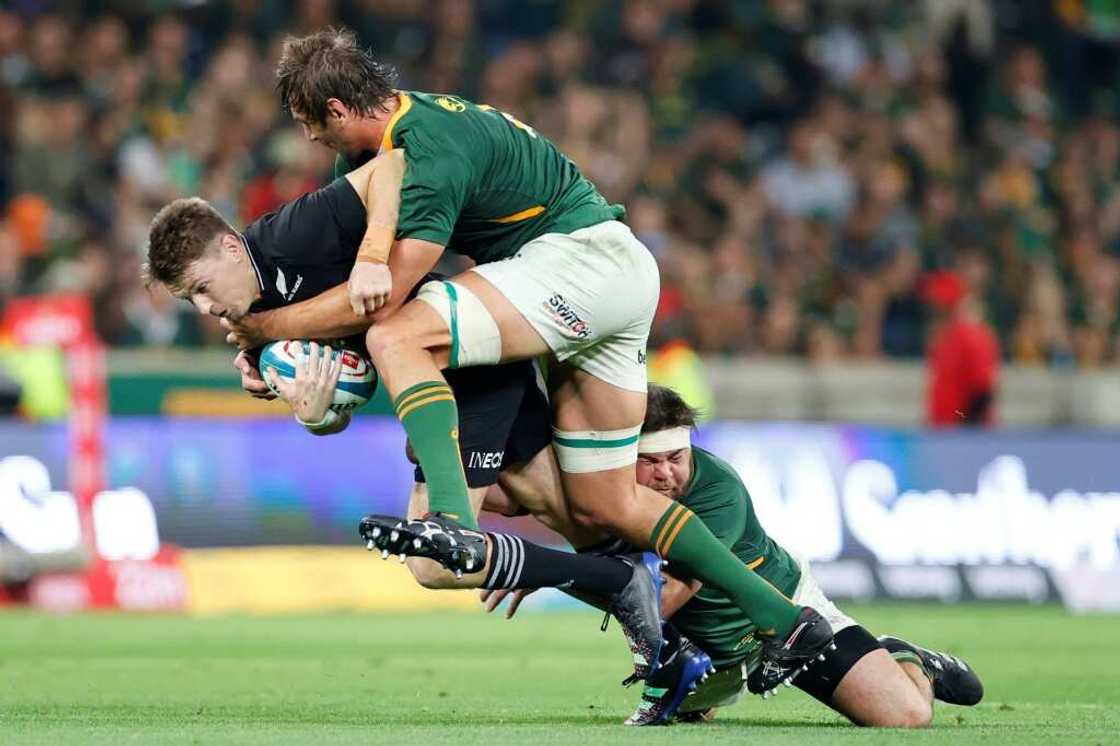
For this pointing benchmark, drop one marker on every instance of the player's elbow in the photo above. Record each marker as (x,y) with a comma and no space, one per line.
(430,574)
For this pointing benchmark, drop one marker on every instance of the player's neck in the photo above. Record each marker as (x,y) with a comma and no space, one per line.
(374,127)
(250,266)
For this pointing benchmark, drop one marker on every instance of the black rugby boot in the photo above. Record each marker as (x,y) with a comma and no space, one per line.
(783,659)
(954,681)
(435,536)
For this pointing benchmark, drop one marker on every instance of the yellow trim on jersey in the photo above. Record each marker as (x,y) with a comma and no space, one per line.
(405,105)
(756,563)
(530,212)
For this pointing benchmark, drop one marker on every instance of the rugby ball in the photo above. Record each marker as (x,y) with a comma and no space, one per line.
(355,386)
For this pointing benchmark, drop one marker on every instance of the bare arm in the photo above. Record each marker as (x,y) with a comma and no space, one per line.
(329,315)
(378,184)
(326,316)
(410,261)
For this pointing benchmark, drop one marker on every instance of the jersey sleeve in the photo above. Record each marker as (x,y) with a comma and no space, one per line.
(432,195)
(325,225)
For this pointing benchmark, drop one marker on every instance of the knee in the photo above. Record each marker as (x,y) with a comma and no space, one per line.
(430,574)
(913,714)
(919,715)
(380,339)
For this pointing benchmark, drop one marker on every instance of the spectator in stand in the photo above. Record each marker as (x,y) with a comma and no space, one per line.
(795,167)
(962,362)
(811,180)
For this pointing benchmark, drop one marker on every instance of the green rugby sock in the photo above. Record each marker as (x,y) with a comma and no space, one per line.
(431,419)
(907,656)
(682,538)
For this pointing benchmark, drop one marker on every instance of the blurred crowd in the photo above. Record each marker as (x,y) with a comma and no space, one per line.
(799,167)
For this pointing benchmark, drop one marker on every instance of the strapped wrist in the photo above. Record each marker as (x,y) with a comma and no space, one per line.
(329,419)
(376,243)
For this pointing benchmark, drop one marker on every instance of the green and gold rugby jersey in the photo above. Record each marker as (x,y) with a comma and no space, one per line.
(719,498)
(482,183)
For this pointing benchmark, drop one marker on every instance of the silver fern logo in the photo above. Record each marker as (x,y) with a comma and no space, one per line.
(282,285)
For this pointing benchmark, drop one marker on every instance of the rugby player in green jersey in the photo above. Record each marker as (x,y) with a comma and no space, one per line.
(886,682)
(557,275)
(308,246)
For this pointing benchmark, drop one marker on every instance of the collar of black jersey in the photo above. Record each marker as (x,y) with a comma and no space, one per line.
(270,297)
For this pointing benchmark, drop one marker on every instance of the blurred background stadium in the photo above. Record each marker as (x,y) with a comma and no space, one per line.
(848,200)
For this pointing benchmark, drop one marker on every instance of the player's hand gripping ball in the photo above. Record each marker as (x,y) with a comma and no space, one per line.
(356,382)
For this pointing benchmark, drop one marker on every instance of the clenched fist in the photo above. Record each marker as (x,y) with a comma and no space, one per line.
(369,287)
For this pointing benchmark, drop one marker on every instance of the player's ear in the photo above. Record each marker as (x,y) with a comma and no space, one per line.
(337,110)
(230,245)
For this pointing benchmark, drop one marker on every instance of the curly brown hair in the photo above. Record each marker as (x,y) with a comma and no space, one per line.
(180,233)
(666,409)
(330,64)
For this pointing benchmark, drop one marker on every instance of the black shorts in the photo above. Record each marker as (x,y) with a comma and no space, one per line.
(821,680)
(504,419)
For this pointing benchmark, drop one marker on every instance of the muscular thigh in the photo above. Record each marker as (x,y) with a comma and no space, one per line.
(416,324)
(877,692)
(519,339)
(861,681)
(580,401)
(587,298)
(607,497)
(537,487)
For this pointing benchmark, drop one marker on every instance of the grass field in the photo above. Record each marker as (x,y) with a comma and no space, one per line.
(464,679)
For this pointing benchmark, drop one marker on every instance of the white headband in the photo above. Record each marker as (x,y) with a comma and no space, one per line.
(672,439)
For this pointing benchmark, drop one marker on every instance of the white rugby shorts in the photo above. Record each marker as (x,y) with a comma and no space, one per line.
(590,294)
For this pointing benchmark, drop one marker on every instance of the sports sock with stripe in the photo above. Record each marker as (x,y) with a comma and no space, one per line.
(516,563)
(431,419)
(682,538)
(908,656)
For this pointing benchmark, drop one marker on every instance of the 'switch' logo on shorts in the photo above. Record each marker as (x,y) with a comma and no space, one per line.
(562,312)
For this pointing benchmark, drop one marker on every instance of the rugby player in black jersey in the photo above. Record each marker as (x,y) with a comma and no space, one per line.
(307,249)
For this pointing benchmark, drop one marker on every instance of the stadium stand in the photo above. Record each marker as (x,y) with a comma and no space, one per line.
(798,167)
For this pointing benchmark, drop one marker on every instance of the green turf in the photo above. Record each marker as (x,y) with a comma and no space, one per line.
(542,678)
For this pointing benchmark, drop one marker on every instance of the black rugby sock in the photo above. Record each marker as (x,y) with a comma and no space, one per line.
(516,563)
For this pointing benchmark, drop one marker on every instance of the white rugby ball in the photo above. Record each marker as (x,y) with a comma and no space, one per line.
(355,386)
